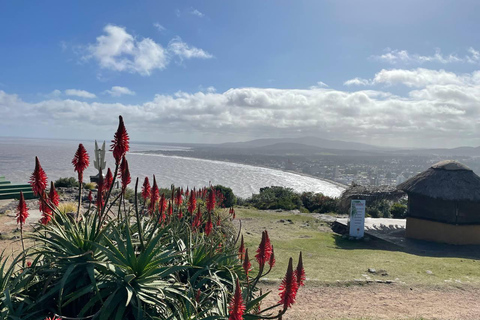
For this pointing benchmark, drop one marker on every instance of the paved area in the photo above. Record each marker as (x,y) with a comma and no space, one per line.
(391,230)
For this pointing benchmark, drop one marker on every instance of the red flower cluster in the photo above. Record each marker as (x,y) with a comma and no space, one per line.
(264,250)
(53,195)
(124,173)
(108,179)
(236,307)
(80,161)
(146,189)
(211,200)
(22,210)
(192,202)
(154,196)
(38,180)
(178,197)
(288,287)
(120,142)
(209,225)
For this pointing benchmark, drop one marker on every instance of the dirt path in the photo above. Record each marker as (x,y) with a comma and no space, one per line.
(381,301)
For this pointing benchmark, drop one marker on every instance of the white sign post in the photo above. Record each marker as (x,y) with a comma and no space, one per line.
(357,218)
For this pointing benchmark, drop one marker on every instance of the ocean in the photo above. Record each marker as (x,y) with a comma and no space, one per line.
(17,161)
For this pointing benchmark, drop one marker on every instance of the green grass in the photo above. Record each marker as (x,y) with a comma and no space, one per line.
(328,257)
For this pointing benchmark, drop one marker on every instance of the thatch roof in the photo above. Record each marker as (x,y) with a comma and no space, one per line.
(446,180)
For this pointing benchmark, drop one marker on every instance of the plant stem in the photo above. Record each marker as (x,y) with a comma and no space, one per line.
(138,216)
(79,198)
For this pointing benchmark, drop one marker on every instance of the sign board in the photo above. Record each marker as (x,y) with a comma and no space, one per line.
(357,218)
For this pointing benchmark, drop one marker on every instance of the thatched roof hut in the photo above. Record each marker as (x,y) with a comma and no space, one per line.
(441,199)
(446,180)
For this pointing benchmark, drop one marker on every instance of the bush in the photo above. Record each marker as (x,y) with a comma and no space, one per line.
(398,211)
(66,207)
(229,199)
(90,186)
(66,183)
(276,197)
(378,209)
(317,202)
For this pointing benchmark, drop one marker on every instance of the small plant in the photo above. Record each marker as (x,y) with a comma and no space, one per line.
(90,186)
(66,183)
(171,255)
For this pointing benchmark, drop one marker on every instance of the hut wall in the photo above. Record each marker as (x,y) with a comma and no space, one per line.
(442,232)
(431,209)
(468,212)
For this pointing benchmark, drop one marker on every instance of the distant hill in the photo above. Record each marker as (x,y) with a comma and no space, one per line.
(460,151)
(306,141)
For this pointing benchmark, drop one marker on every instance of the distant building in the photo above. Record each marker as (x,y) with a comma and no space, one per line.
(401,179)
(444,204)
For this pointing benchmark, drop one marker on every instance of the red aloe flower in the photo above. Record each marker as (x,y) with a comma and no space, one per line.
(178,198)
(146,190)
(300,272)
(120,144)
(162,206)
(180,214)
(264,250)
(288,287)
(80,161)
(22,210)
(237,308)
(170,209)
(271,262)
(124,173)
(38,180)
(53,318)
(192,202)
(211,200)
(197,221)
(247,266)
(108,179)
(53,195)
(29,264)
(241,250)
(90,197)
(187,193)
(154,196)
(209,225)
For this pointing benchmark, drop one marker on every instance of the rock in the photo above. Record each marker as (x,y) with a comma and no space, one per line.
(289,221)
(389,281)
(371,270)
(281,221)
(429,272)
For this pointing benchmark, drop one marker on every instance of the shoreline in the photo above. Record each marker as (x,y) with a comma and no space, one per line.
(338,184)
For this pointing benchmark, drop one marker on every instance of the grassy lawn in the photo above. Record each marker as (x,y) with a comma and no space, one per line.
(328,257)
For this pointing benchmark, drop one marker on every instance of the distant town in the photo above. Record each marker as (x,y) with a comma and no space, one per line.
(368,166)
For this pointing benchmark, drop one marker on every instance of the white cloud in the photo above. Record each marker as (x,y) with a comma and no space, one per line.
(419,77)
(357,82)
(118,91)
(404,57)
(118,50)
(184,51)
(195,12)
(77,93)
(159,27)
(441,107)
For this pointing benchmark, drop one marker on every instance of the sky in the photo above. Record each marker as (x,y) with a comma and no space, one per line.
(390,73)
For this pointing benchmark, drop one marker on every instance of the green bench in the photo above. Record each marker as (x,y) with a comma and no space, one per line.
(12,191)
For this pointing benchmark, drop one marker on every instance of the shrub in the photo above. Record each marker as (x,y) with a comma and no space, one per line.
(66,182)
(398,211)
(276,197)
(378,209)
(229,199)
(317,202)
(66,207)
(90,186)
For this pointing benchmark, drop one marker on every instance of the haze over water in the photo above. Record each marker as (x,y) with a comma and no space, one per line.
(17,161)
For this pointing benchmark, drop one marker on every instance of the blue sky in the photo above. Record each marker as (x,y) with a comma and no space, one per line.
(384,72)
